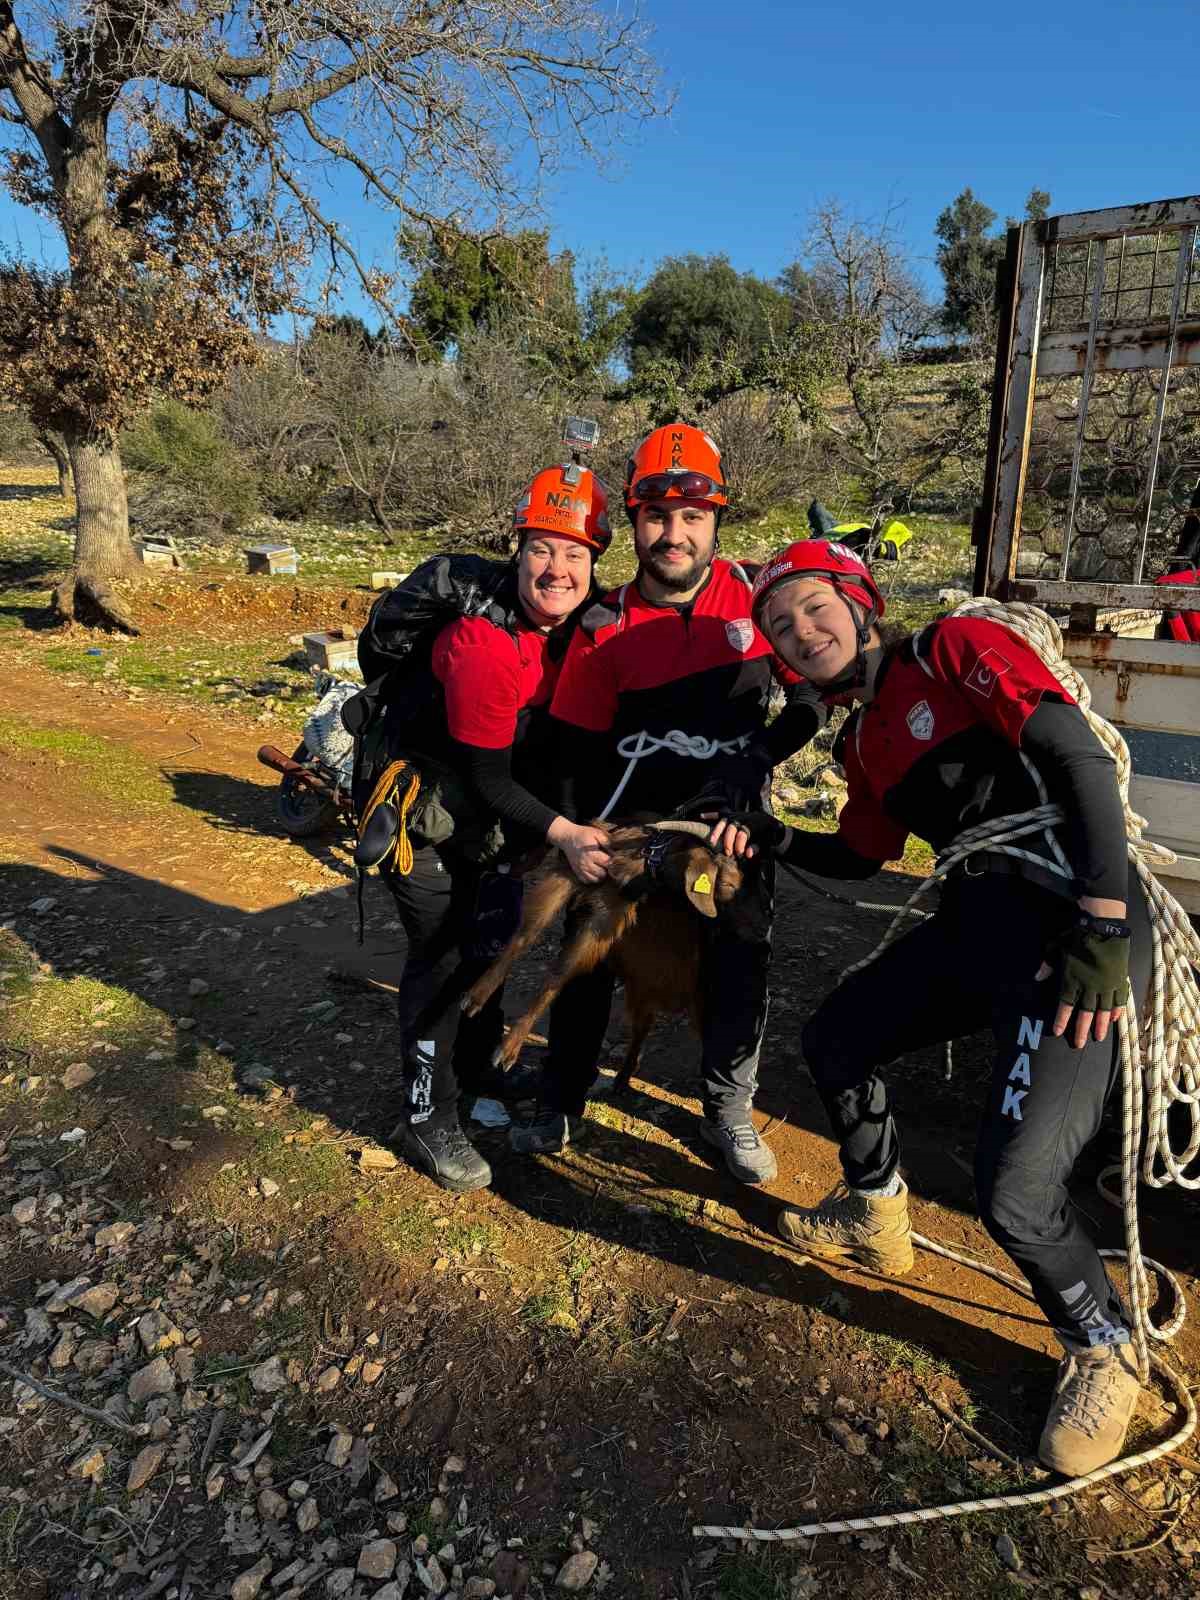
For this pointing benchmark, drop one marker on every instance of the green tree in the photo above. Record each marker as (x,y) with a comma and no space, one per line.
(968,255)
(466,282)
(1037,206)
(700,307)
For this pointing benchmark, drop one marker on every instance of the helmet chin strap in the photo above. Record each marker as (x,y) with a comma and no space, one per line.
(860,673)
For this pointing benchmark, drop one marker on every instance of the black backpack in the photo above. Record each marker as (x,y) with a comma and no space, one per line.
(405,621)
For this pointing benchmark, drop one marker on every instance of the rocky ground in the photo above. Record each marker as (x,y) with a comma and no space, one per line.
(244,1352)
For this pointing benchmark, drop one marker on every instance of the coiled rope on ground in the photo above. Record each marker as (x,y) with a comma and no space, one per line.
(1160,1067)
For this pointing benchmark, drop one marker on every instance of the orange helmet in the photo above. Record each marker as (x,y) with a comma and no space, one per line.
(676,462)
(569,501)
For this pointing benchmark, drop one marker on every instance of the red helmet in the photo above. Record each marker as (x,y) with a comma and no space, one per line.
(819,558)
(677,462)
(569,501)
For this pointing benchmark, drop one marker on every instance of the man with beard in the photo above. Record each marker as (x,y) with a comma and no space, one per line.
(663,703)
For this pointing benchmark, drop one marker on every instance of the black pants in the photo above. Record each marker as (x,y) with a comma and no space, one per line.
(733,984)
(972,966)
(444,1053)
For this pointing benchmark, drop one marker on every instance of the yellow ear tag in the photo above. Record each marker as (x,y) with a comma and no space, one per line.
(703,884)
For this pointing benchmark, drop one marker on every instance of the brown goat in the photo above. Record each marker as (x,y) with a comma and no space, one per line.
(641,918)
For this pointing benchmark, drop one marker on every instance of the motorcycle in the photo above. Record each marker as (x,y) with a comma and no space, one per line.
(314,791)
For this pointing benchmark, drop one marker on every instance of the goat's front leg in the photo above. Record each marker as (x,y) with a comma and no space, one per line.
(542,904)
(602,928)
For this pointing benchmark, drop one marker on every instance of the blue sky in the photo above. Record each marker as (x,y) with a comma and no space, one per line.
(881,104)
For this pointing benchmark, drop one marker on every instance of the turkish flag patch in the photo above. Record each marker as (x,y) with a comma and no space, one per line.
(983,676)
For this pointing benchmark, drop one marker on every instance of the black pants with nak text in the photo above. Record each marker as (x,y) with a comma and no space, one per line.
(444,1053)
(972,966)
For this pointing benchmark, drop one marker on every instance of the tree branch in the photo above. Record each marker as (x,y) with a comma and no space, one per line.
(29,83)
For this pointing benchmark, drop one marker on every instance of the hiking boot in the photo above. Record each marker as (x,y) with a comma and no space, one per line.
(545,1135)
(445,1153)
(1095,1397)
(746,1156)
(871,1229)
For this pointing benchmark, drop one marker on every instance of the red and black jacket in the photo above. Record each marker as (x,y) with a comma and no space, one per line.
(967,725)
(1183,626)
(701,668)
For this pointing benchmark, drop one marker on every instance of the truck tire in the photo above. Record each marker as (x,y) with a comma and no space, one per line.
(303,813)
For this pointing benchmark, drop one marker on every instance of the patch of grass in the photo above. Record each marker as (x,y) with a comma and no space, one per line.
(405,1229)
(541,1309)
(103,767)
(468,1240)
(744,1577)
(896,1354)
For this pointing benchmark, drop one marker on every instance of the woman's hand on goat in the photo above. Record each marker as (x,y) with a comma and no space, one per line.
(585,847)
(744,833)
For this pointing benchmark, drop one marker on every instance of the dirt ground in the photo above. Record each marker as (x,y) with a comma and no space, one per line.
(608,1340)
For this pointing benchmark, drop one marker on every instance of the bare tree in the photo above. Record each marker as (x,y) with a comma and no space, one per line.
(183,148)
(890,432)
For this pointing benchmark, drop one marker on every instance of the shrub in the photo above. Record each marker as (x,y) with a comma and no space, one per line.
(188,478)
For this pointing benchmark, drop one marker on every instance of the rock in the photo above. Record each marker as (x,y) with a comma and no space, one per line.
(115,1234)
(268,1377)
(438,1511)
(397,1522)
(271,1505)
(40,907)
(62,1297)
(372,1371)
(853,1443)
(1008,1553)
(64,1351)
(329,1379)
(398,1589)
(453,1464)
(25,1210)
(952,597)
(88,1465)
(197,987)
(339,1582)
(386,1489)
(77,1075)
(158,1333)
(246,1586)
(94,1356)
(510,1570)
(377,1559)
(213,1484)
(97,1302)
(214,1113)
(576,1571)
(268,1188)
(373,1158)
(430,1575)
(145,1464)
(153,1379)
(308,1515)
(479,1588)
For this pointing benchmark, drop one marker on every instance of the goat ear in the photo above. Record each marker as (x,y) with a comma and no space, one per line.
(698,882)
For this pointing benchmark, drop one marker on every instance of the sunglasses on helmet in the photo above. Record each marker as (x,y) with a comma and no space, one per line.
(684,485)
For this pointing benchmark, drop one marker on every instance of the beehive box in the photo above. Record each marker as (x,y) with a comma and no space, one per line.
(271,558)
(331,651)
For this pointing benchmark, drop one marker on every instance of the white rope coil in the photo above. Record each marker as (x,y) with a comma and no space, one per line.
(1160,1067)
(634,746)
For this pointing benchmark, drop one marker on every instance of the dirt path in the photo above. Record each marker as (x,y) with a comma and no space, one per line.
(629,1342)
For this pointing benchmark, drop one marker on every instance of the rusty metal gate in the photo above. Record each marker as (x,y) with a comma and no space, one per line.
(1094,449)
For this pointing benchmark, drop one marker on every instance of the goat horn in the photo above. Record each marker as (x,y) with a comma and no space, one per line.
(697,830)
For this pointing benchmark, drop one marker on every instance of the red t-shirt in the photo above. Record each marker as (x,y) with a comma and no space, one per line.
(489,676)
